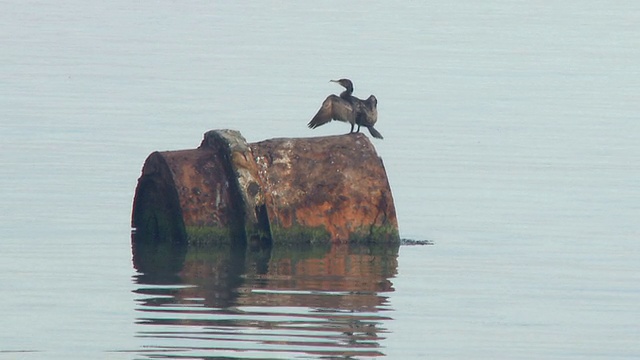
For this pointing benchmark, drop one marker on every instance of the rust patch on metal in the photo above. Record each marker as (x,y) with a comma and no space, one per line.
(336,182)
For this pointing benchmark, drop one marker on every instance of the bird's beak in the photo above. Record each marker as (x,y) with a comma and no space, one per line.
(333,81)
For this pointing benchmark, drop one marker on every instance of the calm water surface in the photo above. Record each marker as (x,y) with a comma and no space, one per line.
(511,141)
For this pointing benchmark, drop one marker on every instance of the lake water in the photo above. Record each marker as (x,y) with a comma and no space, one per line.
(511,141)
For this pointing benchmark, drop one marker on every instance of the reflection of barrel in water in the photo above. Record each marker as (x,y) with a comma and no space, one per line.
(210,273)
(315,301)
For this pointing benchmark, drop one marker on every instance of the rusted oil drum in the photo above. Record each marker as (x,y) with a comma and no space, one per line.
(289,190)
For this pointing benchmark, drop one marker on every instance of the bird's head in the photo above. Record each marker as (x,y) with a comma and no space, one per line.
(346,83)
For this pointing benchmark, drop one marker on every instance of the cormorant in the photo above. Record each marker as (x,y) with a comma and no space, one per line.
(348,108)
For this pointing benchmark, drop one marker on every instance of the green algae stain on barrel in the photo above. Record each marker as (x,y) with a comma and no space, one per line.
(320,190)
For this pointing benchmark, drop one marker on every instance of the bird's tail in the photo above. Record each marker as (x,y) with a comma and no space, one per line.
(374,132)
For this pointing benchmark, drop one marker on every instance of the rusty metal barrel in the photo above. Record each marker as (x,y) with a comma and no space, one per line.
(325,189)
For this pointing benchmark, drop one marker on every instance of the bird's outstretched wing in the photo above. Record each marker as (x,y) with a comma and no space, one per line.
(370,110)
(333,108)
(368,116)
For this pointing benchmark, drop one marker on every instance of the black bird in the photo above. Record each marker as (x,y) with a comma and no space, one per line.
(348,108)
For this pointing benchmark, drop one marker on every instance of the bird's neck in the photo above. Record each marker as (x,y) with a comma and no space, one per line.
(347,93)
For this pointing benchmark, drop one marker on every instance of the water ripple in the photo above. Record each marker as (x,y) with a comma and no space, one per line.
(327,303)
